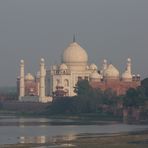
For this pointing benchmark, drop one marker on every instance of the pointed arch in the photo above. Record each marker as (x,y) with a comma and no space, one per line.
(66,83)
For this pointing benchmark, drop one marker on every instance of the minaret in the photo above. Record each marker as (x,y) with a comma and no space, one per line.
(42,81)
(127,75)
(129,65)
(104,64)
(22,85)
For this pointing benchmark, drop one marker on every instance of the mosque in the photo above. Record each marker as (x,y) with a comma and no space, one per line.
(61,79)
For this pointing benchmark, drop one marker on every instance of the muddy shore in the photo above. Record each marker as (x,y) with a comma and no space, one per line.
(122,140)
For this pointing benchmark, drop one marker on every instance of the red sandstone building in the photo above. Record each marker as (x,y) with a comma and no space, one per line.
(31,84)
(120,87)
(113,80)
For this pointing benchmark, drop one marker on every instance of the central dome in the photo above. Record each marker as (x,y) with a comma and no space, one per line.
(74,54)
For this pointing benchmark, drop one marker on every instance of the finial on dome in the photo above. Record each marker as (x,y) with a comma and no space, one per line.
(110,62)
(74,38)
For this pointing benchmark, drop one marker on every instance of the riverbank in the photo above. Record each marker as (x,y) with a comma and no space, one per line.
(85,118)
(34,109)
(122,140)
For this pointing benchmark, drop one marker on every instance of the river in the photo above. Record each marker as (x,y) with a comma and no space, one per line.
(15,130)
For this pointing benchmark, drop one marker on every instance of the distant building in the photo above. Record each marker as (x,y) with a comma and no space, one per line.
(61,79)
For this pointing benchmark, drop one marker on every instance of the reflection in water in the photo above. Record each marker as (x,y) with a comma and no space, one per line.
(58,146)
(22,119)
(22,122)
(37,139)
(67,145)
(45,139)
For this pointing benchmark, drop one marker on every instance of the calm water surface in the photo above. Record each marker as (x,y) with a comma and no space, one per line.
(41,130)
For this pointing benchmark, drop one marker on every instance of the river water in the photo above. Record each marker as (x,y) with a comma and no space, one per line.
(15,130)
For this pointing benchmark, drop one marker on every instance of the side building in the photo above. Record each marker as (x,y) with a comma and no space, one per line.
(32,88)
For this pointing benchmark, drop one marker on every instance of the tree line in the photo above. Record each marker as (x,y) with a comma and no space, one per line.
(90,100)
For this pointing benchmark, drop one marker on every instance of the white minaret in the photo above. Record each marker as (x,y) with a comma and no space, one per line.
(104,64)
(127,75)
(22,84)
(42,81)
(104,67)
(129,65)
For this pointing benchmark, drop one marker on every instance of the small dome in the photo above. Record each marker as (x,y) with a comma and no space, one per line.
(22,61)
(105,61)
(54,67)
(63,67)
(87,67)
(138,75)
(74,54)
(111,72)
(93,67)
(42,60)
(29,77)
(126,76)
(129,60)
(95,75)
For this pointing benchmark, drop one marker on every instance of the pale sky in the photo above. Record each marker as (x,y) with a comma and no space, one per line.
(110,29)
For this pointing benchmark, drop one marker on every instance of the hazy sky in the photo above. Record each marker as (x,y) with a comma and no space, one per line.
(111,29)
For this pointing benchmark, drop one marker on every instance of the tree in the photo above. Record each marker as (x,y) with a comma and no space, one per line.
(134,97)
(109,97)
(82,88)
(88,99)
(144,85)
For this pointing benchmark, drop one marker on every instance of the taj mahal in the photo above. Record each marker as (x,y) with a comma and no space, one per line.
(60,80)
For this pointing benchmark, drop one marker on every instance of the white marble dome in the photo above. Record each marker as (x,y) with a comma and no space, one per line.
(74,54)
(93,67)
(126,76)
(29,77)
(111,72)
(63,67)
(95,75)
